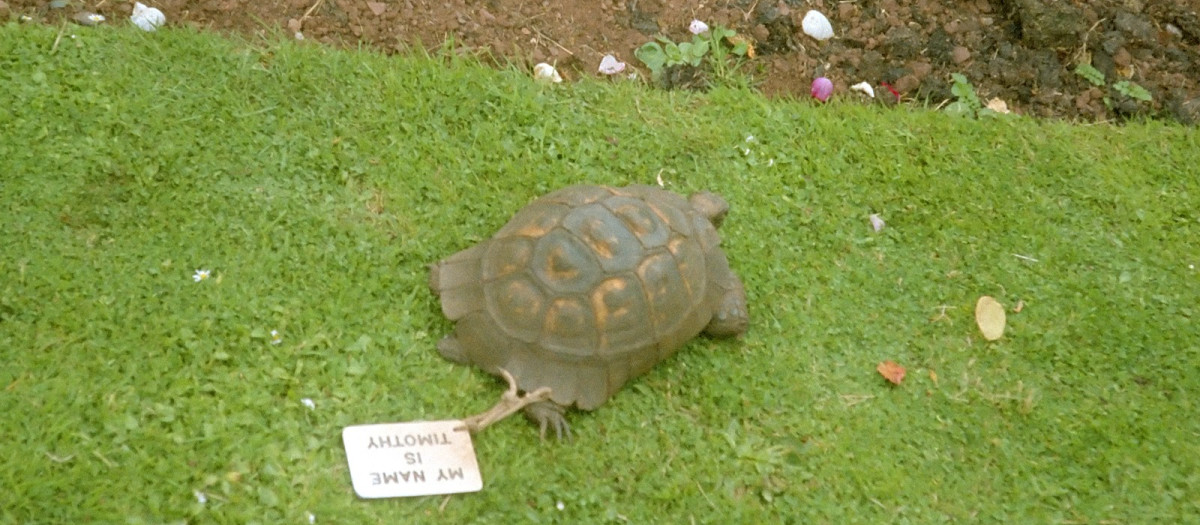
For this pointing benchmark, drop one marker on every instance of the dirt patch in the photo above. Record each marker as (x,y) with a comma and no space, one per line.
(1021,51)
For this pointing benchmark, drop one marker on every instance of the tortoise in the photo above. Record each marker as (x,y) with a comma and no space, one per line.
(588,287)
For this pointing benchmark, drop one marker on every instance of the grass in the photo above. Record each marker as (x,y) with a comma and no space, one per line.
(316,185)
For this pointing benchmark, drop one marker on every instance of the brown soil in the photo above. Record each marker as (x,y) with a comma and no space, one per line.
(1021,51)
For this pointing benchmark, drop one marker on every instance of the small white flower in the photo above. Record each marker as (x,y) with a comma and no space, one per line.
(200,275)
(200,497)
(275,337)
(560,505)
(95,18)
(308,403)
(770,162)
(147,18)
(749,138)
(26,18)
(877,222)
(546,73)
(697,27)
(311,518)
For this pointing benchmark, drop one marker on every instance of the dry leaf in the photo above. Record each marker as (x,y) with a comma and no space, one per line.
(989,315)
(891,371)
(933,377)
(999,106)
(1020,306)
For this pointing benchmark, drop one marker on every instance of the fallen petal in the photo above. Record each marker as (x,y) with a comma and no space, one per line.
(697,27)
(876,222)
(989,315)
(609,65)
(865,88)
(817,26)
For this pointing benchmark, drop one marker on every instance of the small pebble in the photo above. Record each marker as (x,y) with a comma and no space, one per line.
(960,54)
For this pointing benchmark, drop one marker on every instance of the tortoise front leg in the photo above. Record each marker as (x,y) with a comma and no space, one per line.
(732,316)
(549,414)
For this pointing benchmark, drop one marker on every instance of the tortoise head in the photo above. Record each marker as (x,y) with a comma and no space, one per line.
(710,205)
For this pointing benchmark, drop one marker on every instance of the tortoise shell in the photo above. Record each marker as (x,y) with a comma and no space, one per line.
(589,286)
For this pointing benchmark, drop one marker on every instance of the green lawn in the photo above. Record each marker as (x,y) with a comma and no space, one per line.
(316,185)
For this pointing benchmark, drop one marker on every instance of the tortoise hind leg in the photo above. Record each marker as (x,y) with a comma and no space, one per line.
(549,414)
(732,317)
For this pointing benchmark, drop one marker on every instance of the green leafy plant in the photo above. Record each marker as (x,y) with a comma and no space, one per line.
(1124,87)
(1132,90)
(968,103)
(717,44)
(1091,74)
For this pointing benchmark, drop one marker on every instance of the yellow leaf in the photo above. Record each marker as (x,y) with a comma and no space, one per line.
(989,315)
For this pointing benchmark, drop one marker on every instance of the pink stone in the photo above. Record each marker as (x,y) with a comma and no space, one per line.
(822,88)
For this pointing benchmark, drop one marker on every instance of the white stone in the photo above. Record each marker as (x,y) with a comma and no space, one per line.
(817,26)
(147,18)
(546,73)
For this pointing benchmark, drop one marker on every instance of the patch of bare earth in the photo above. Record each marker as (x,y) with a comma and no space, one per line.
(1022,51)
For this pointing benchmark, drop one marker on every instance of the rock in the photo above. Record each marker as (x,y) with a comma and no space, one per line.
(1122,58)
(1112,42)
(1104,63)
(940,46)
(642,21)
(906,84)
(960,54)
(847,10)
(1138,28)
(760,33)
(903,42)
(920,69)
(1049,23)
(1049,69)
(1188,111)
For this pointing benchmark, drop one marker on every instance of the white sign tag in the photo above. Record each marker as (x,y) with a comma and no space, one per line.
(411,459)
